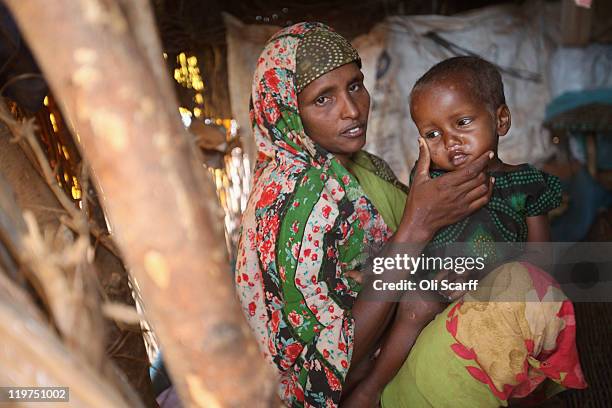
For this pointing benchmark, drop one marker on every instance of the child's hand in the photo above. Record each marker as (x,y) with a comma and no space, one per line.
(450,276)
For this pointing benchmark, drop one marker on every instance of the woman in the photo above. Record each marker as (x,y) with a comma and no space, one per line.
(318,205)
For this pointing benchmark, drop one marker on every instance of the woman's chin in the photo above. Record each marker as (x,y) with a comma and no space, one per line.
(356,145)
(347,149)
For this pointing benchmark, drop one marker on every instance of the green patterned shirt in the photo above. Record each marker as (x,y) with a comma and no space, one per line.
(524,192)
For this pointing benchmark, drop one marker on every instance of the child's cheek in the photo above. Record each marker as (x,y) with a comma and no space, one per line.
(436,155)
(435,151)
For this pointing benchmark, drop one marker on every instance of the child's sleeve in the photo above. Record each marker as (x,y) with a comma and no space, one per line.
(545,196)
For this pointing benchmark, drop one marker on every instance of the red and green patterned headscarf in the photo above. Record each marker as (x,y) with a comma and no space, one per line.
(307,222)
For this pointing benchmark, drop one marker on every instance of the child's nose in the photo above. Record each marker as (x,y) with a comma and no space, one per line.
(451,140)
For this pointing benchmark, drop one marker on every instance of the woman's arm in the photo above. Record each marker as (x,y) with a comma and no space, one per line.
(431,204)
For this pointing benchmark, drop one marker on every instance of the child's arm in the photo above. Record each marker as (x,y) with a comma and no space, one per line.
(538,232)
(539,229)
(413,313)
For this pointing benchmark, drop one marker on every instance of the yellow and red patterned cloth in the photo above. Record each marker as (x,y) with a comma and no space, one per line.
(514,338)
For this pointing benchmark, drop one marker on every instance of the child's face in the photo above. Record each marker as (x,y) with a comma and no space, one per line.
(457,127)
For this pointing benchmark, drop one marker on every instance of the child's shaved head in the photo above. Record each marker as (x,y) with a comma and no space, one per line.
(481,78)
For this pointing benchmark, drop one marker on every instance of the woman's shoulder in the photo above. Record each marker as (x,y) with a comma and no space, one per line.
(379,167)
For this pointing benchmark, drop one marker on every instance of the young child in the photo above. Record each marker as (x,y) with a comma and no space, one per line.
(460,111)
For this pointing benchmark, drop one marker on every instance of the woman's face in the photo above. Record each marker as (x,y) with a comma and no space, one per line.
(334,110)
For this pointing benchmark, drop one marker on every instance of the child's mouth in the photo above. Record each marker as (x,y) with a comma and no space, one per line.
(458,158)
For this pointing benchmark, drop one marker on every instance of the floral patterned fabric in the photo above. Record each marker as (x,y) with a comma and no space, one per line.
(307,222)
(515,340)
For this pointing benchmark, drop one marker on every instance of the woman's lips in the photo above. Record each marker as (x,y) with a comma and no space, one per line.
(354,132)
(458,158)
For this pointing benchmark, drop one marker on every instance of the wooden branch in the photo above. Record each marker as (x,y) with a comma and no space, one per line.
(11,228)
(141,21)
(162,207)
(27,189)
(25,131)
(31,354)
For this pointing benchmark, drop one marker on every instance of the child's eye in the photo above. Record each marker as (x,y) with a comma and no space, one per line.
(464,121)
(321,100)
(432,134)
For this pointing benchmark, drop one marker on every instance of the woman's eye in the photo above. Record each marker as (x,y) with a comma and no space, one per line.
(432,134)
(321,100)
(464,121)
(355,87)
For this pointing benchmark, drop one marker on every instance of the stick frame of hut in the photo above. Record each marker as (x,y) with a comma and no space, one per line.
(104,64)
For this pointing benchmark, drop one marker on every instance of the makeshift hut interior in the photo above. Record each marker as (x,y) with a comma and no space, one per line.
(197,27)
(71,273)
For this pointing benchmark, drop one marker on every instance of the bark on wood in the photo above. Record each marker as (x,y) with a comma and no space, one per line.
(31,352)
(164,211)
(141,22)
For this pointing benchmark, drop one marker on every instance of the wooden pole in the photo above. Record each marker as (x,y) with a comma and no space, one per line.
(30,191)
(162,207)
(32,355)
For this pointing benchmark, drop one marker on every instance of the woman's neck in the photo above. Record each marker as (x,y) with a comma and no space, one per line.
(343,158)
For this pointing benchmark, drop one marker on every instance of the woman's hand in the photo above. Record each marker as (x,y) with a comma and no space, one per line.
(435,203)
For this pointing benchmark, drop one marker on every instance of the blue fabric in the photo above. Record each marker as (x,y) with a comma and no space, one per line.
(603,141)
(587,198)
(159,376)
(572,100)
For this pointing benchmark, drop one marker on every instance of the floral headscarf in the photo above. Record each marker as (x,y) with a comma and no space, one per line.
(307,222)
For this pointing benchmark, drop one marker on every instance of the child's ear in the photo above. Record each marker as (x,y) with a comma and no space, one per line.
(503,119)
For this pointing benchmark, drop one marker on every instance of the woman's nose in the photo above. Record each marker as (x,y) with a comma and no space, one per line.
(349,108)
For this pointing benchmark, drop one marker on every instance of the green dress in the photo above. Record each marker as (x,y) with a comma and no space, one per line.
(517,195)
